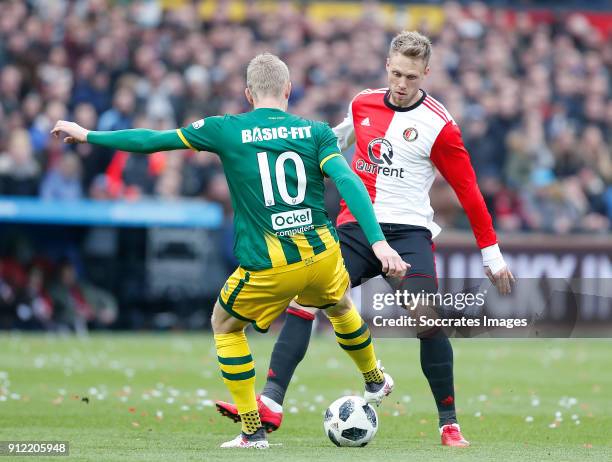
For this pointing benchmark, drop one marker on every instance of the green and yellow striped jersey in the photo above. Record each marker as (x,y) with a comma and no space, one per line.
(272,161)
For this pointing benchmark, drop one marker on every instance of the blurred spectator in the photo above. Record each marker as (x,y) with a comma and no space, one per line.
(7,300)
(79,304)
(19,171)
(64,181)
(35,307)
(120,115)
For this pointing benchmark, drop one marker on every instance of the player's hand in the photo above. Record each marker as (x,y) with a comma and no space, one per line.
(502,280)
(392,264)
(75,133)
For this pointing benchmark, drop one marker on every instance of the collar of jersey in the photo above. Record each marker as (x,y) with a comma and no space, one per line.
(393,107)
(268,109)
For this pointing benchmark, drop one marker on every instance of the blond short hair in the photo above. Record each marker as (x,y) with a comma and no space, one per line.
(267,75)
(412,45)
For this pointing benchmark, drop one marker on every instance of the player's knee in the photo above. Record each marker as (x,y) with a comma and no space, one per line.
(215,320)
(222,323)
(342,307)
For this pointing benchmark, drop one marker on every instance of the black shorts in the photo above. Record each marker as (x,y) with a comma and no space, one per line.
(413,243)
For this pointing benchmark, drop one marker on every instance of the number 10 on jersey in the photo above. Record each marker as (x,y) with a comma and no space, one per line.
(281,182)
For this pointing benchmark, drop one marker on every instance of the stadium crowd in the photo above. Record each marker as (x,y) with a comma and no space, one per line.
(532,99)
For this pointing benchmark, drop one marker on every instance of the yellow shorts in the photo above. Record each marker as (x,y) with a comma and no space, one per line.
(259,297)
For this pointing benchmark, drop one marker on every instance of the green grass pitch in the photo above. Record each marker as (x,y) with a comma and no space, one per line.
(149,398)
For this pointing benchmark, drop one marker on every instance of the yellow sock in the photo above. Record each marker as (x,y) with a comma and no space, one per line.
(374,376)
(238,371)
(353,336)
(250,422)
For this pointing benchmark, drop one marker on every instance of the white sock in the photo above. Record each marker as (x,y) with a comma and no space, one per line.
(272,405)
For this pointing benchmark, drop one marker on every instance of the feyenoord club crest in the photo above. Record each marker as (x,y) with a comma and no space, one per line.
(411,134)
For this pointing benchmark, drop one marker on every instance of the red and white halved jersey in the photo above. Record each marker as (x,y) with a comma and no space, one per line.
(395,155)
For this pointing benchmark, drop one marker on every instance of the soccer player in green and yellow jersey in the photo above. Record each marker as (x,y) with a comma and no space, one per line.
(275,165)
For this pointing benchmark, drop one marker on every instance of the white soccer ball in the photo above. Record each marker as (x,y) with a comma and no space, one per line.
(350,421)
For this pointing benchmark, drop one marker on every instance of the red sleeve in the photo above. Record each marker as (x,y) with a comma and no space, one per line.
(451,158)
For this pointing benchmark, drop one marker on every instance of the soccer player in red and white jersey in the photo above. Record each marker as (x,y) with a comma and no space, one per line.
(401,135)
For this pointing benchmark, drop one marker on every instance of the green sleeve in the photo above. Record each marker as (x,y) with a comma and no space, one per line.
(327,142)
(204,134)
(355,195)
(138,140)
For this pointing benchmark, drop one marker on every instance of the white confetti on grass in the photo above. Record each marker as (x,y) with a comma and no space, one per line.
(477,414)
(184,407)
(201,392)
(535,401)
(293,410)
(406,398)
(574,416)
(2,398)
(207,403)
(319,398)
(567,402)
(170,400)
(482,398)
(529,419)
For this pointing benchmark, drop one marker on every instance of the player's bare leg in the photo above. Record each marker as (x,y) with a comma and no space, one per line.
(238,370)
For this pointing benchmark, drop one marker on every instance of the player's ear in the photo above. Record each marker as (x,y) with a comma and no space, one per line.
(249,96)
(387,65)
(426,70)
(288,90)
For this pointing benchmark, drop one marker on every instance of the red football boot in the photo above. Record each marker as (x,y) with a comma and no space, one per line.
(451,436)
(269,419)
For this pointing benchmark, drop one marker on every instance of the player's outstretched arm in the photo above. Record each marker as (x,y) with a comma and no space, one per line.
(451,158)
(358,201)
(134,140)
